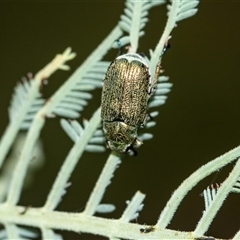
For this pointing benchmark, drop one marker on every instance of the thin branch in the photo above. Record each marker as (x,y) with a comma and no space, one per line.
(191,181)
(79,222)
(32,94)
(96,55)
(69,164)
(33,134)
(133,207)
(135,26)
(12,231)
(222,194)
(101,185)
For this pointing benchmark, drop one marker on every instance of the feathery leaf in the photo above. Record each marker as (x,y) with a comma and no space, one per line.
(74,131)
(133,21)
(22,108)
(133,207)
(177,10)
(209,194)
(14,230)
(105,208)
(186,9)
(159,97)
(236,187)
(77,97)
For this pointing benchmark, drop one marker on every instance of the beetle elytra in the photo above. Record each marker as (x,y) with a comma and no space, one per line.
(126,90)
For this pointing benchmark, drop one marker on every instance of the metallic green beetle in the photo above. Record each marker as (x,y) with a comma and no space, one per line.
(126,90)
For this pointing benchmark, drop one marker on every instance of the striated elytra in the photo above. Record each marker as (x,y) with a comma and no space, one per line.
(126,90)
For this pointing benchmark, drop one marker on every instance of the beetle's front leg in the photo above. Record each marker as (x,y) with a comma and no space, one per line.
(155,79)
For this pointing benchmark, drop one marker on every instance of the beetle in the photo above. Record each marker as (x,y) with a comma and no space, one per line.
(126,89)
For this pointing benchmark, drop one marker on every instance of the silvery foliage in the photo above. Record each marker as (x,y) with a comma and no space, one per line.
(29,111)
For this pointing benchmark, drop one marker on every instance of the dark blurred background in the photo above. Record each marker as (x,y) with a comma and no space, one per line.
(199,122)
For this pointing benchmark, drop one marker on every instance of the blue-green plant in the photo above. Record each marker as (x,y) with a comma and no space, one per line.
(29,111)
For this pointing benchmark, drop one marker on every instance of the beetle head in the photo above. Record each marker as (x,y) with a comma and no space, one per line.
(121,137)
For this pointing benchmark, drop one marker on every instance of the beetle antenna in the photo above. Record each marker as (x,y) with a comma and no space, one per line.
(120,47)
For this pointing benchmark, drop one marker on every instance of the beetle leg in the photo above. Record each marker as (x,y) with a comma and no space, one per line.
(131,151)
(142,54)
(159,68)
(155,80)
(120,48)
(167,46)
(137,143)
(145,120)
(107,144)
(149,117)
